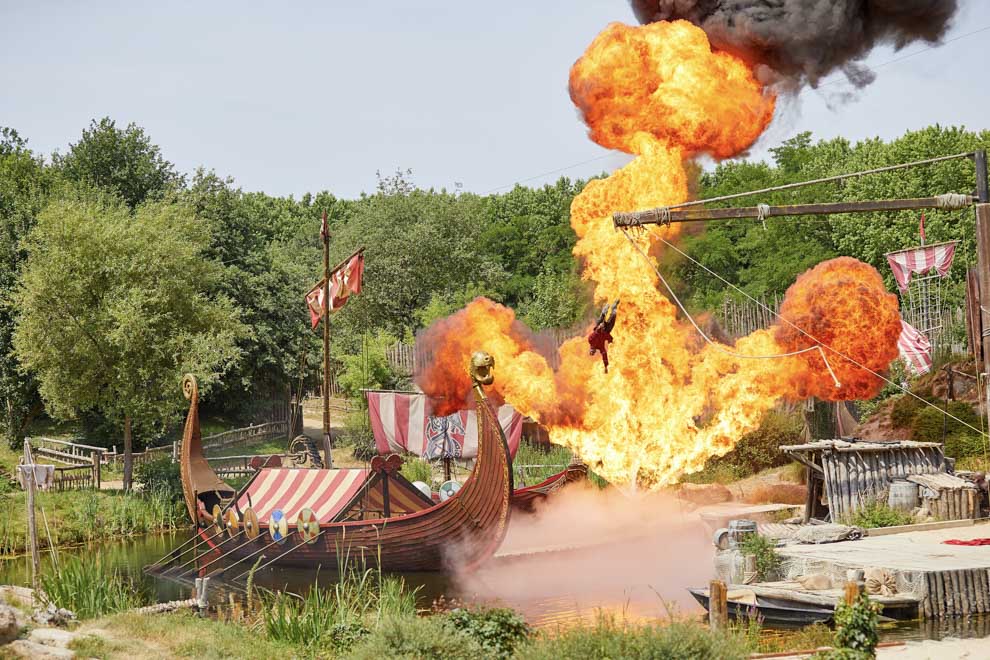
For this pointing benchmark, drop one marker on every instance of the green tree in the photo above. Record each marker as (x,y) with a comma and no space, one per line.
(115,308)
(24,187)
(123,161)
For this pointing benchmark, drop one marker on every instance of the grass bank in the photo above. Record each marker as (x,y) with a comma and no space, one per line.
(75,517)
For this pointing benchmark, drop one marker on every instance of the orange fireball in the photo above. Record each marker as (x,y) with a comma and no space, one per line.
(670,401)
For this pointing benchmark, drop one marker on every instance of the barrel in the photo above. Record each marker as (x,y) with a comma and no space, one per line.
(739,530)
(903,495)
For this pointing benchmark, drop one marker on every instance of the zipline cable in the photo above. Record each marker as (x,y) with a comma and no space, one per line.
(718,346)
(804,332)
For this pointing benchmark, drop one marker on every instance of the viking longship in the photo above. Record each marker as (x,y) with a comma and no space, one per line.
(311,516)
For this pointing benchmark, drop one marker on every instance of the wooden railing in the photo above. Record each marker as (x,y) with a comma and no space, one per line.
(246,435)
(238,466)
(69,453)
(77,477)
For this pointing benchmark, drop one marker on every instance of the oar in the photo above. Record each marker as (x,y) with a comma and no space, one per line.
(223,570)
(172,553)
(203,541)
(264,566)
(212,549)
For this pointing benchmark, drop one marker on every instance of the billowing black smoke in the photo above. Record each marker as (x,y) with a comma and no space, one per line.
(802,41)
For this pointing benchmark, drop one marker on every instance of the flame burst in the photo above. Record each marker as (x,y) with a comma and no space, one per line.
(670,401)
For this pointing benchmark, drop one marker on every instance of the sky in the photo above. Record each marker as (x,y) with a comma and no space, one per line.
(298,97)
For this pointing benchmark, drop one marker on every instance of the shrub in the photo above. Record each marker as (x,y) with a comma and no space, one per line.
(961,445)
(610,639)
(416,469)
(778,494)
(554,457)
(497,630)
(903,410)
(856,626)
(160,475)
(764,549)
(759,449)
(89,588)
(357,433)
(929,424)
(414,638)
(877,514)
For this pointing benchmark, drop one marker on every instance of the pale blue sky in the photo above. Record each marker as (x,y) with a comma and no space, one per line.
(306,96)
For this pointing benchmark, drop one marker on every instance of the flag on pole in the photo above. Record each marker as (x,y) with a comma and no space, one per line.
(921,228)
(324,229)
(344,282)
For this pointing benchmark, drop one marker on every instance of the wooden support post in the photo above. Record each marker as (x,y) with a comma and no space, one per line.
(27,471)
(97,457)
(983,270)
(718,605)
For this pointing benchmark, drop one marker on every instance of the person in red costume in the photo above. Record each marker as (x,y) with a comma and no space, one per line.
(601,336)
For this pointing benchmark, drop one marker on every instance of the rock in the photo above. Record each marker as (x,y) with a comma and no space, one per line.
(17,596)
(704,493)
(53,616)
(23,648)
(10,627)
(51,636)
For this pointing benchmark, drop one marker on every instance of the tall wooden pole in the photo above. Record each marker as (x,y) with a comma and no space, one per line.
(27,472)
(327,455)
(983,249)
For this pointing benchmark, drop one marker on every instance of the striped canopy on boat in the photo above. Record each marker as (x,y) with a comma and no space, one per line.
(326,492)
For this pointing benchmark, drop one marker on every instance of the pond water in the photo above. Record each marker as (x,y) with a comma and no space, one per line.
(550,589)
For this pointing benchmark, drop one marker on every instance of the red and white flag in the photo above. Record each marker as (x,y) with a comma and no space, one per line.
(915,349)
(403,422)
(344,282)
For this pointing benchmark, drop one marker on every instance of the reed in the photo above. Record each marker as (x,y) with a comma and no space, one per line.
(89,588)
(339,615)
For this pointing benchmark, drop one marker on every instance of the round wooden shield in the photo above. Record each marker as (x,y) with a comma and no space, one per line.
(233,522)
(250,523)
(217,518)
(308,526)
(278,526)
(447,489)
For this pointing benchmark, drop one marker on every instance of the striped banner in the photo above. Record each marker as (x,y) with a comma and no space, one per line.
(401,422)
(915,349)
(921,260)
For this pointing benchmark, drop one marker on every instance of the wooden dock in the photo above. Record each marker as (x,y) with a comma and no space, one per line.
(947,580)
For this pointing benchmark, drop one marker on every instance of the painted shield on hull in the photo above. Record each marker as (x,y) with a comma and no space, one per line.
(251,528)
(218,518)
(278,526)
(308,526)
(233,522)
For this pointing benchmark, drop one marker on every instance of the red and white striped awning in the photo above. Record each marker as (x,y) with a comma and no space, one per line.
(291,490)
(921,260)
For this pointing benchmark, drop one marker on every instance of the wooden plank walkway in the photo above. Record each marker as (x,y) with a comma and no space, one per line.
(948,580)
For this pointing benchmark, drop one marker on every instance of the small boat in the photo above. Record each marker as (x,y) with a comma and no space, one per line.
(525,499)
(372,513)
(745,604)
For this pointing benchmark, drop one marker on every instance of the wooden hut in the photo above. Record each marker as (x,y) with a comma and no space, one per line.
(844,475)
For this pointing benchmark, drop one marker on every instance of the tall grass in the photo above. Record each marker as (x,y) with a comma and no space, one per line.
(339,615)
(89,588)
(551,459)
(83,516)
(416,469)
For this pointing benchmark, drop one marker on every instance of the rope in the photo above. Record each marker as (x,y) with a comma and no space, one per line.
(762,213)
(716,344)
(953,201)
(805,333)
(829,179)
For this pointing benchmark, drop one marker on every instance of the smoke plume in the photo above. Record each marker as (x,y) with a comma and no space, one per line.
(802,41)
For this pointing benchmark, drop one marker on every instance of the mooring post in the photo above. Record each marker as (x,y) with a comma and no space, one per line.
(97,457)
(718,605)
(854,586)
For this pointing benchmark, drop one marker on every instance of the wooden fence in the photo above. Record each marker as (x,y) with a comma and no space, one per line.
(68,453)
(246,435)
(239,466)
(76,477)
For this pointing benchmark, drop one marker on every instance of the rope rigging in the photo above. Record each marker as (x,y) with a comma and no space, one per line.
(717,345)
(820,344)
